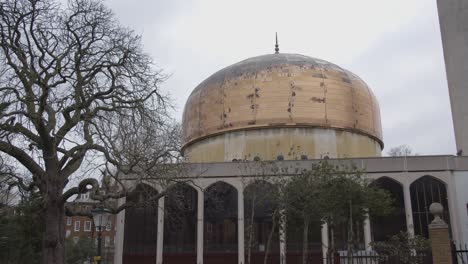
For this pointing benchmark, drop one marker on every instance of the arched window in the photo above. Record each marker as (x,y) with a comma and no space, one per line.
(141,226)
(180,224)
(220,221)
(385,226)
(424,192)
(295,235)
(261,222)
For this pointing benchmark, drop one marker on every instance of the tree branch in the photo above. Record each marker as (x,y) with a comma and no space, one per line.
(22,157)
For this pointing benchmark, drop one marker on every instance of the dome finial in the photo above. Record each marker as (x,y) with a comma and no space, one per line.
(276,45)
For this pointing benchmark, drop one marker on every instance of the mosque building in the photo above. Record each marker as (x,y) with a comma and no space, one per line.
(293,110)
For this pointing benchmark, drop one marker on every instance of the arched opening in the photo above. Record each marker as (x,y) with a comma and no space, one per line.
(220,225)
(295,230)
(141,226)
(385,226)
(261,214)
(180,225)
(425,191)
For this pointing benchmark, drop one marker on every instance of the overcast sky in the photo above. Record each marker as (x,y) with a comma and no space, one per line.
(394,46)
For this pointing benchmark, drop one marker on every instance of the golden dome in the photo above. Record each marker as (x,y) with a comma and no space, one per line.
(281,91)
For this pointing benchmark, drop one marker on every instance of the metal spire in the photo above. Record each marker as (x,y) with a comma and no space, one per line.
(276,45)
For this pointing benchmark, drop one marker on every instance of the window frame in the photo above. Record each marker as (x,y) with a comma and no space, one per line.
(77,224)
(90,226)
(107,240)
(109,226)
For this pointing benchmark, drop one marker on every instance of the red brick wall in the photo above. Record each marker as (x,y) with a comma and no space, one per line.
(92,233)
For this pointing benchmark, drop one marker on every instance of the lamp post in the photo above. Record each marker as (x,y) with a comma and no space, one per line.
(100,218)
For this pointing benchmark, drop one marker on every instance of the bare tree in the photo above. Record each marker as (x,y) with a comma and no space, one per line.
(401,151)
(76,90)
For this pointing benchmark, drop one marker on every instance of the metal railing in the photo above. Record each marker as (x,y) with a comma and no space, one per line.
(364,257)
(459,253)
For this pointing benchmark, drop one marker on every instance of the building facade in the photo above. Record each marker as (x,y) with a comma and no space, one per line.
(415,183)
(78,227)
(274,116)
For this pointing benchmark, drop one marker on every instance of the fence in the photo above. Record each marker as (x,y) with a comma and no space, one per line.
(375,258)
(459,254)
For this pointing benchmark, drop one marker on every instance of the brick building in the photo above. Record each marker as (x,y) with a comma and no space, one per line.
(78,227)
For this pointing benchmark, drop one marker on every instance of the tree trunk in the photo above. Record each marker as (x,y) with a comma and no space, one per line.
(270,237)
(331,248)
(53,241)
(53,244)
(357,235)
(350,233)
(282,234)
(305,242)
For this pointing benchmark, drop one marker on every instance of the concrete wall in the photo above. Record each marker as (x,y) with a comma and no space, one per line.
(461,183)
(291,143)
(453,16)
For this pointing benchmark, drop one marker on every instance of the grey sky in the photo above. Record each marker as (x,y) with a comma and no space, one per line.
(394,46)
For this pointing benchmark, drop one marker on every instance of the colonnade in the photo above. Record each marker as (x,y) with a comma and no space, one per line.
(240,222)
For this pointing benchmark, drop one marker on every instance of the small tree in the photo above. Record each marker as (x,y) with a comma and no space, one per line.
(79,251)
(402,247)
(348,200)
(336,195)
(263,194)
(21,229)
(303,201)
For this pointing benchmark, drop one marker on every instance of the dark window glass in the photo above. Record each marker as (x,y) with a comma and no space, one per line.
(424,192)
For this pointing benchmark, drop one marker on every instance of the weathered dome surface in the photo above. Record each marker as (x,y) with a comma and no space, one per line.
(281,90)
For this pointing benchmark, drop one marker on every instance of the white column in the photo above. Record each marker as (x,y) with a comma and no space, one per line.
(453,212)
(408,209)
(282,236)
(200,225)
(240,225)
(119,234)
(324,242)
(367,233)
(160,234)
